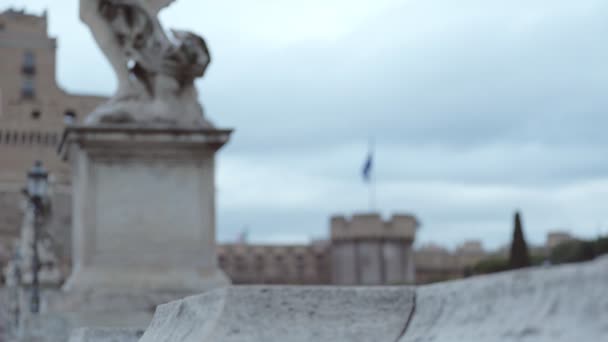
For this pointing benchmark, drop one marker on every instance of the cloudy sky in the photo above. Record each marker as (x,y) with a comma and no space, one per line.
(477,108)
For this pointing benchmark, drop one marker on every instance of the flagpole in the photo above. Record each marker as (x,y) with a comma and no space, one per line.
(372,180)
(372,194)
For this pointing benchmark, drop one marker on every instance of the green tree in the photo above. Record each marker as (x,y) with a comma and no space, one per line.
(491,264)
(601,246)
(575,251)
(519,256)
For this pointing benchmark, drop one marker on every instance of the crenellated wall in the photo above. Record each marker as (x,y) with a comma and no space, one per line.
(367,250)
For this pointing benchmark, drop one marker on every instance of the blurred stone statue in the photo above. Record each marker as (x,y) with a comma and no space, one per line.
(155,69)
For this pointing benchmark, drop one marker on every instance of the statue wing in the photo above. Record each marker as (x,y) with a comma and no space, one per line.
(156,5)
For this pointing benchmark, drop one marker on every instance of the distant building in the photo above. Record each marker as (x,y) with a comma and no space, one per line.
(365,250)
(270,264)
(555,238)
(469,253)
(32,106)
(32,111)
(435,263)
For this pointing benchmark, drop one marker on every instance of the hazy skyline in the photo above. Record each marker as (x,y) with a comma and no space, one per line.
(477,108)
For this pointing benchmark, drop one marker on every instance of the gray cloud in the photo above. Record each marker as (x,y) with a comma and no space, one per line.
(465,83)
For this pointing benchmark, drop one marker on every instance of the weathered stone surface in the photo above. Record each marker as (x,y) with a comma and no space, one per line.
(143,208)
(562,303)
(257,313)
(105,335)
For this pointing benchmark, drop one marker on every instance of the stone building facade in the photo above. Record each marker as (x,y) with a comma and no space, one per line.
(33,112)
(437,263)
(366,250)
(558,237)
(276,264)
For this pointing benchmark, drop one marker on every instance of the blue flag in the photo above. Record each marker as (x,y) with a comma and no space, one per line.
(367,167)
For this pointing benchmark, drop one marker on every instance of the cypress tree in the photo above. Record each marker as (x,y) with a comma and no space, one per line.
(519,249)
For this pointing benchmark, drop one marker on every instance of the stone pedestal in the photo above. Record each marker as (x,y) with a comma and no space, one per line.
(143,208)
(143,223)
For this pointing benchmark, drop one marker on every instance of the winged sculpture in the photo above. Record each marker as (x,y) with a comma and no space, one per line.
(155,69)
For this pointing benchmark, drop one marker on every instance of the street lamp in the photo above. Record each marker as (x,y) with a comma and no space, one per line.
(37,181)
(36,191)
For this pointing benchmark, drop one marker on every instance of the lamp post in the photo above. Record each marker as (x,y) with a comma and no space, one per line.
(36,191)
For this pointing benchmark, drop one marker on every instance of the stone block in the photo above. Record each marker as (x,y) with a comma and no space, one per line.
(279,313)
(143,208)
(558,304)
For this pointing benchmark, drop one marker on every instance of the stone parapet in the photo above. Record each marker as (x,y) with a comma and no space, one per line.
(562,304)
(294,314)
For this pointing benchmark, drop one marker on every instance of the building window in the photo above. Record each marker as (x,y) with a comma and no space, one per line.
(29,63)
(35,114)
(27,89)
(69,117)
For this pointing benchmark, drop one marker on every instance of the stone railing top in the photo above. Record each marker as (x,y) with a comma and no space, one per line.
(561,303)
(262,313)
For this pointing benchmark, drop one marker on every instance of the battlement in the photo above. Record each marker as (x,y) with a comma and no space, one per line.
(18,21)
(372,226)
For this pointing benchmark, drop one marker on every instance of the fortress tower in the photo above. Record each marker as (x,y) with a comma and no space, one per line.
(367,250)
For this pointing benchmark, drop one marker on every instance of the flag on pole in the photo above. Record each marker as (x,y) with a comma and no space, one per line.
(368,176)
(367,167)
